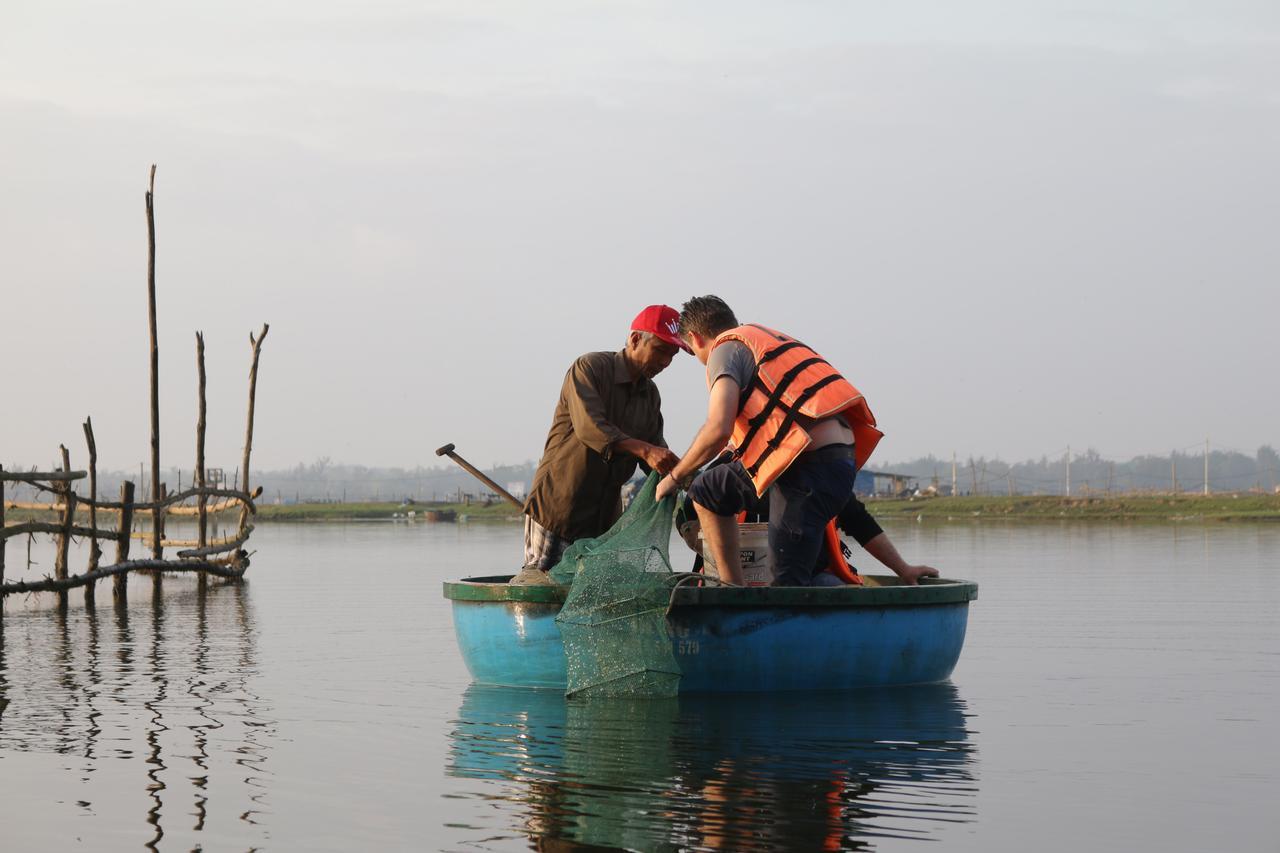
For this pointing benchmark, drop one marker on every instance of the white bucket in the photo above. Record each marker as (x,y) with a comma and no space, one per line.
(753,548)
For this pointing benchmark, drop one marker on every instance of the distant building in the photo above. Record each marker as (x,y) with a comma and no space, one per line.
(518,489)
(883,483)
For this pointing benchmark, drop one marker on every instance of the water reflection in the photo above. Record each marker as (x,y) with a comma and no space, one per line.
(171,683)
(805,771)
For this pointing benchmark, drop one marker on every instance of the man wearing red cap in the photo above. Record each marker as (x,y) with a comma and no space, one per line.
(607,421)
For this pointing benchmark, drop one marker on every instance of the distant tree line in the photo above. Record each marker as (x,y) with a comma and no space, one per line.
(324,481)
(1090,473)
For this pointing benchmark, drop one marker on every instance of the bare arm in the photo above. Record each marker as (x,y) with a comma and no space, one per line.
(882,548)
(722,408)
(655,457)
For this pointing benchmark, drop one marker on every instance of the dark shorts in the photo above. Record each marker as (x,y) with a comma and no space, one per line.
(724,489)
(810,493)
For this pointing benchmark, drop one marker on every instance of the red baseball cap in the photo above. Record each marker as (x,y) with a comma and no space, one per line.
(663,321)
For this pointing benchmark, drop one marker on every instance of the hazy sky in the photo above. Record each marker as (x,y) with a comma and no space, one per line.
(1016,226)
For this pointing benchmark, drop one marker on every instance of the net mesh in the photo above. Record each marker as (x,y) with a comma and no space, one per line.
(613,622)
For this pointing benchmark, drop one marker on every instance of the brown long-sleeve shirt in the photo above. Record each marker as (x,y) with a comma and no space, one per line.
(577,489)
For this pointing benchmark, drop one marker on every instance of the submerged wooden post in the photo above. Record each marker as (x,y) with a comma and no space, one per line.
(90,590)
(3,539)
(64,536)
(256,343)
(120,583)
(202,502)
(157,577)
(156,551)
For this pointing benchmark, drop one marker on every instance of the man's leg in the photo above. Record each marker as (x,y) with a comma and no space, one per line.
(719,493)
(542,550)
(720,537)
(802,501)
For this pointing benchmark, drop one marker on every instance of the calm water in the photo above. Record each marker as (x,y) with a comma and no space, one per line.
(1118,691)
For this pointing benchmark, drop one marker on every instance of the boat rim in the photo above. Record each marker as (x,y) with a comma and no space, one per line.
(880,591)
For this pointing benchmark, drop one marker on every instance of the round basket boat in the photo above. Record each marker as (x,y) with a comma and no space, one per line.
(735,639)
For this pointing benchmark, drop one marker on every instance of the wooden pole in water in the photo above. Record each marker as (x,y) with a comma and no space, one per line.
(1206,467)
(202,501)
(68,519)
(157,578)
(120,583)
(3,539)
(256,344)
(90,591)
(156,550)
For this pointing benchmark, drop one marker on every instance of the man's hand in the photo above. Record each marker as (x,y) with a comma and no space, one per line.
(660,459)
(911,574)
(657,458)
(666,486)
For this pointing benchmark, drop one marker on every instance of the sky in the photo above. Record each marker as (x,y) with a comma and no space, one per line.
(1014,226)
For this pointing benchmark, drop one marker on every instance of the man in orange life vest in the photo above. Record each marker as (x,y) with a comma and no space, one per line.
(797,428)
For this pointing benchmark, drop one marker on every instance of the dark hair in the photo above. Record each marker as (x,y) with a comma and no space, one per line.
(706,315)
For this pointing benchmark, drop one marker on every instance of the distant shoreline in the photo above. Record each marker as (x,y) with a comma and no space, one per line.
(1173,509)
(1225,507)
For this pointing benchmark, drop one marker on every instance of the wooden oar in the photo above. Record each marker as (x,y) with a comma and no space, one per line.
(447,450)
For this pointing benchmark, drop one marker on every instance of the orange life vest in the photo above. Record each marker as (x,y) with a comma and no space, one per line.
(791,381)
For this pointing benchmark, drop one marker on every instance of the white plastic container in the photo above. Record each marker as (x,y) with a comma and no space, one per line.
(753,545)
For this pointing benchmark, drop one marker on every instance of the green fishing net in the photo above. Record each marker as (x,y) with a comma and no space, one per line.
(614,620)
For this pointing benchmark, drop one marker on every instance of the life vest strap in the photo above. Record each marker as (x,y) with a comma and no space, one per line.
(779,350)
(792,411)
(775,397)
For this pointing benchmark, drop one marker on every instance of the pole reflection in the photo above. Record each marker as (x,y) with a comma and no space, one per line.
(834,771)
(160,681)
(168,689)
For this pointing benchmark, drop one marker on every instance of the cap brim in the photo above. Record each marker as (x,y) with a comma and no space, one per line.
(675,341)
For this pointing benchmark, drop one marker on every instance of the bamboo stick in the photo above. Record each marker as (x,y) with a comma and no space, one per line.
(120,583)
(84,504)
(156,551)
(218,547)
(22,528)
(3,538)
(34,477)
(202,506)
(90,590)
(157,543)
(211,509)
(180,543)
(64,537)
(256,343)
(231,568)
(68,516)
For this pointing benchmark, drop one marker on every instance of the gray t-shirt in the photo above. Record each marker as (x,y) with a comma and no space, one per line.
(732,359)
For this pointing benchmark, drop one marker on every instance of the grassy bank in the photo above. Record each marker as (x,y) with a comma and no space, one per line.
(1158,508)
(375,511)
(1154,508)
(1161,508)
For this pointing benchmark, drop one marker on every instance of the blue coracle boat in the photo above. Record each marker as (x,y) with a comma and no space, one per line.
(735,639)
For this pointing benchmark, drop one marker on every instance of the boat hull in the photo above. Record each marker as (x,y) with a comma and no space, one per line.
(735,640)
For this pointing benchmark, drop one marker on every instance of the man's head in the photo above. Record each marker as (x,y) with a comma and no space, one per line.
(702,319)
(654,340)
